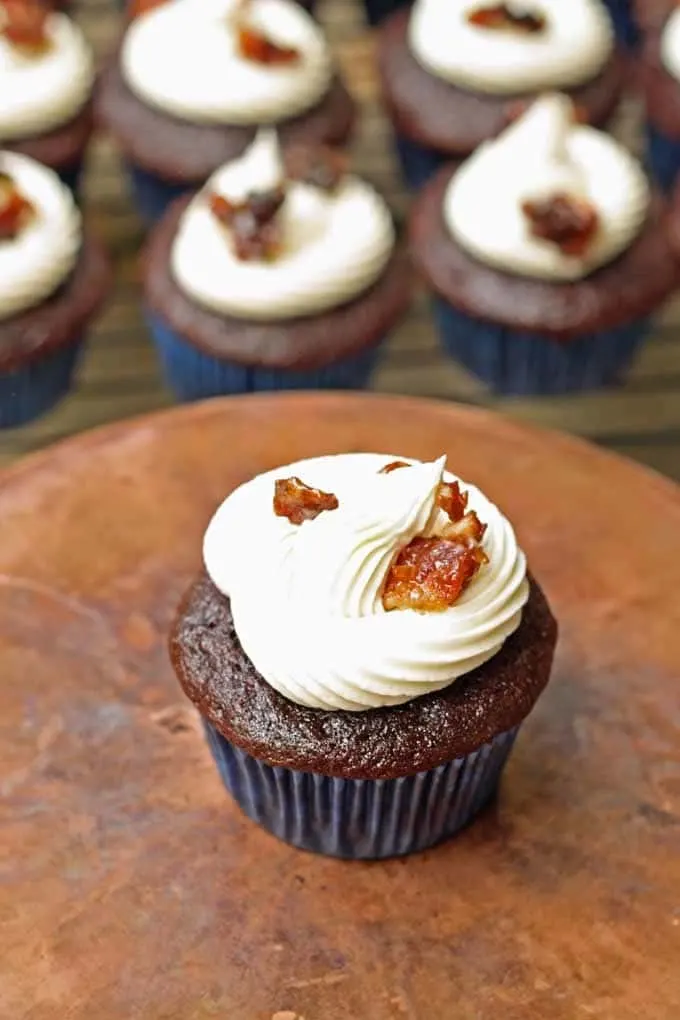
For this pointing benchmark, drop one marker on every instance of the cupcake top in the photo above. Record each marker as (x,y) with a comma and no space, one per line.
(40,233)
(549,198)
(670,44)
(227,61)
(266,241)
(511,48)
(46,69)
(359,581)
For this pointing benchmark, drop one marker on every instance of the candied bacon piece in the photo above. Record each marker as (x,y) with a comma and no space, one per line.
(568,222)
(256,46)
(451,500)
(393,466)
(507,17)
(299,502)
(319,165)
(469,530)
(256,234)
(431,574)
(23,23)
(15,210)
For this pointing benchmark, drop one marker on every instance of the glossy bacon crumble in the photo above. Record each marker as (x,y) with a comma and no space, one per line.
(299,502)
(15,210)
(254,44)
(321,166)
(508,18)
(430,574)
(23,23)
(567,222)
(252,223)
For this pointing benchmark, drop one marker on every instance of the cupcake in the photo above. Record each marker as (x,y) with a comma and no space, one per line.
(52,281)
(274,277)
(546,253)
(659,74)
(454,72)
(46,80)
(362,680)
(244,64)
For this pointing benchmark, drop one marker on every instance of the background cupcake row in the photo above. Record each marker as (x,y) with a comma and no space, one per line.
(322,11)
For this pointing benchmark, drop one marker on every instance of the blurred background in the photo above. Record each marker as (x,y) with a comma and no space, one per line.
(120,377)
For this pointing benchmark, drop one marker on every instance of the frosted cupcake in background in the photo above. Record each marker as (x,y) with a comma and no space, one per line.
(277,275)
(46,81)
(363,678)
(192,82)
(547,255)
(454,71)
(53,279)
(659,75)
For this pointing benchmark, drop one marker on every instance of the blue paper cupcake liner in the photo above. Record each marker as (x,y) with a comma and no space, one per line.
(362,819)
(378,10)
(152,195)
(625,26)
(193,375)
(32,389)
(517,363)
(418,163)
(663,157)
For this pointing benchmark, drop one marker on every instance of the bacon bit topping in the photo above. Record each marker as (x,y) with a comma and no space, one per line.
(508,18)
(394,466)
(431,574)
(570,223)
(15,210)
(320,166)
(23,23)
(298,502)
(253,225)
(136,8)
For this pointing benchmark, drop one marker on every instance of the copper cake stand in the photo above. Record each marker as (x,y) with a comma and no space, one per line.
(134,888)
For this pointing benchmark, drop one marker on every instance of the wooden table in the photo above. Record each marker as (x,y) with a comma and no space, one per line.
(135,889)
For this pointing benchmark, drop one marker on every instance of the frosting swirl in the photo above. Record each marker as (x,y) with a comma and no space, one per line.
(335,244)
(307,606)
(572,47)
(39,259)
(670,44)
(183,58)
(544,153)
(41,91)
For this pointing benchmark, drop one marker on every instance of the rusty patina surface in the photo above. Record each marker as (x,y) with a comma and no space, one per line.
(134,889)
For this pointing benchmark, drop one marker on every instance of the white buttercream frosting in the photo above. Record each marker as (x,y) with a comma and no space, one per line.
(307,599)
(42,91)
(40,258)
(670,44)
(543,154)
(573,47)
(183,58)
(335,244)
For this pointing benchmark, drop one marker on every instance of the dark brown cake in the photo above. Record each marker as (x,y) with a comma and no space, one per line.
(301,343)
(63,316)
(61,148)
(378,744)
(450,119)
(183,152)
(625,290)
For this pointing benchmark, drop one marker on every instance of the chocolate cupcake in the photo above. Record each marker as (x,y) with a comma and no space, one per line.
(52,282)
(659,74)
(362,679)
(46,81)
(244,64)
(454,72)
(547,255)
(274,277)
